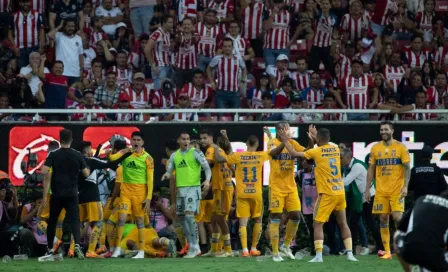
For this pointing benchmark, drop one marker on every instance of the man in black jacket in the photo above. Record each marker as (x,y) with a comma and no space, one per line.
(90,207)
(426,177)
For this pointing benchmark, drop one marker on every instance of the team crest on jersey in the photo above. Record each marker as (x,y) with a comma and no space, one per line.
(379,154)
(394,153)
(77,44)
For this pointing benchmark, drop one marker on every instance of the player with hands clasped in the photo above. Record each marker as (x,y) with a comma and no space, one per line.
(330,187)
(187,162)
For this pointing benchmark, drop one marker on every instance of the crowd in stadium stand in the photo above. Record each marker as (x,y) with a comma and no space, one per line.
(279,54)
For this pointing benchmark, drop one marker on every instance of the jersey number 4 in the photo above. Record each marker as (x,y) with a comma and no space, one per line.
(333,167)
(246,173)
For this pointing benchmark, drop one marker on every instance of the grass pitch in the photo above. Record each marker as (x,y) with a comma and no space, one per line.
(331,263)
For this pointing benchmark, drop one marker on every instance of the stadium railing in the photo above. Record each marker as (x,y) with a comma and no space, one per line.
(237,112)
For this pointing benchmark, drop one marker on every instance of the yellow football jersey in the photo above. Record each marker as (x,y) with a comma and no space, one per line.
(281,177)
(327,170)
(249,168)
(119,174)
(389,162)
(219,170)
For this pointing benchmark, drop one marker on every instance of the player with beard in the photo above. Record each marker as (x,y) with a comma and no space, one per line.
(187,161)
(390,166)
(422,235)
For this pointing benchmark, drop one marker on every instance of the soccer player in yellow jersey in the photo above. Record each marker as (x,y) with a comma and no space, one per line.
(283,193)
(136,190)
(222,188)
(390,166)
(249,198)
(330,188)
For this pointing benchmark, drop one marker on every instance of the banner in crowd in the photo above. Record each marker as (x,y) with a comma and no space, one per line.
(23,140)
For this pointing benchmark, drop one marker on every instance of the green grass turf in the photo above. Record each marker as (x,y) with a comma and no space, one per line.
(333,263)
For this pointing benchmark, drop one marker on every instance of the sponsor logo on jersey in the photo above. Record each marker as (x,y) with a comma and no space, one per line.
(182,164)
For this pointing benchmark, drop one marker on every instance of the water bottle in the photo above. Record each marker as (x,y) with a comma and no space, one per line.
(306,252)
(268,253)
(6,259)
(20,257)
(261,258)
(58,258)
(299,255)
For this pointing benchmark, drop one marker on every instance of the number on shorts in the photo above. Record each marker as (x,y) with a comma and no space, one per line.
(333,167)
(246,173)
(275,204)
(123,207)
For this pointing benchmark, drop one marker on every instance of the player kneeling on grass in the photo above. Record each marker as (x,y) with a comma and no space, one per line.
(330,188)
(422,235)
(187,162)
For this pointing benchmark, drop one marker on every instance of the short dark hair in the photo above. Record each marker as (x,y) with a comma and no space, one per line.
(137,134)
(227,39)
(58,61)
(421,91)
(65,136)
(96,60)
(122,52)
(323,134)
(287,80)
(416,37)
(165,19)
(392,97)
(83,145)
(210,10)
(206,131)
(88,92)
(69,20)
(301,58)
(280,125)
(197,71)
(171,145)
(186,19)
(119,145)
(183,133)
(441,72)
(252,140)
(4,94)
(53,145)
(144,37)
(389,123)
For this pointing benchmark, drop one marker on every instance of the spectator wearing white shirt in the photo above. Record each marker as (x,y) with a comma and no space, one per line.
(111,17)
(69,50)
(32,73)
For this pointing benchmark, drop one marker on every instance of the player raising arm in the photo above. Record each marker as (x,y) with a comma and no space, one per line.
(390,165)
(330,188)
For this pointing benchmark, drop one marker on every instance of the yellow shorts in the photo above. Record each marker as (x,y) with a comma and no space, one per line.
(150,234)
(388,204)
(107,212)
(132,204)
(326,204)
(278,202)
(222,201)
(205,211)
(45,214)
(91,212)
(245,207)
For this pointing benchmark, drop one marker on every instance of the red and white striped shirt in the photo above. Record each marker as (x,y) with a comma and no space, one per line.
(435,97)
(257,101)
(441,57)
(324,31)
(26,29)
(197,97)
(228,69)
(139,100)
(96,36)
(422,116)
(296,5)
(253,20)
(5,5)
(346,66)
(357,91)
(158,100)
(368,15)
(223,9)
(124,77)
(38,5)
(187,8)
(161,52)
(124,116)
(355,28)
(394,75)
(302,80)
(417,59)
(207,44)
(87,22)
(183,116)
(383,10)
(83,116)
(187,58)
(279,75)
(314,98)
(424,20)
(278,36)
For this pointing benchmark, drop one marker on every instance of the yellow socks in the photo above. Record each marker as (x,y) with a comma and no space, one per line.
(256,233)
(220,243)
(103,235)
(141,237)
(58,233)
(94,235)
(291,230)
(180,234)
(227,244)
(385,236)
(348,244)
(319,246)
(274,234)
(72,244)
(214,242)
(243,237)
(120,230)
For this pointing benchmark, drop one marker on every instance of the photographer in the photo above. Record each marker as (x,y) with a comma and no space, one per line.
(32,239)
(8,213)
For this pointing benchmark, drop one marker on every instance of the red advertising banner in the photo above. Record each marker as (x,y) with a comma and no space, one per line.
(101,135)
(22,141)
